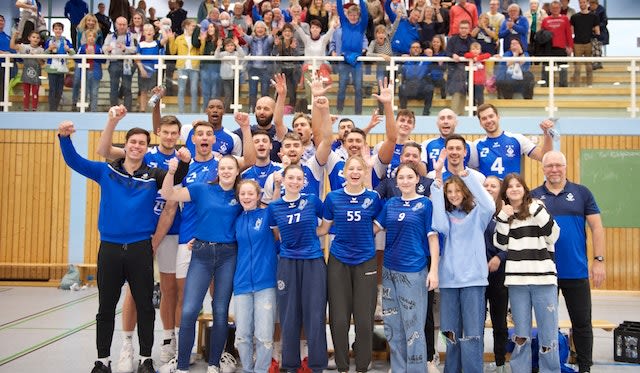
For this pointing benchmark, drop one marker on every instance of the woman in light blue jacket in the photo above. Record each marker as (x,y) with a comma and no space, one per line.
(462,218)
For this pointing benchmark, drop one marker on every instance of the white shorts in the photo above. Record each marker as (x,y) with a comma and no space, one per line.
(182,260)
(166,254)
(380,240)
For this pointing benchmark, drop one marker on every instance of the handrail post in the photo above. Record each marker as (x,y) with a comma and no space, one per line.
(392,67)
(237,66)
(471,68)
(83,65)
(633,68)
(160,68)
(551,107)
(7,64)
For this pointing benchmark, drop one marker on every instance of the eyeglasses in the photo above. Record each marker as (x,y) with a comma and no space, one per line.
(554,165)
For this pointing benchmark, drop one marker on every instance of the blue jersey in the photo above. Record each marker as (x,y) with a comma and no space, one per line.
(501,155)
(395,160)
(150,48)
(407,223)
(257,253)
(569,209)
(226,142)
(154,158)
(217,211)
(297,222)
(431,151)
(313,178)
(199,172)
(261,173)
(336,176)
(352,217)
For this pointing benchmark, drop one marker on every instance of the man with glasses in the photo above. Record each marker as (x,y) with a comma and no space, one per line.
(572,205)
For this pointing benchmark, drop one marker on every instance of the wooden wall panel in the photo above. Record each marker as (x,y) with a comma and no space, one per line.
(34,205)
(33,212)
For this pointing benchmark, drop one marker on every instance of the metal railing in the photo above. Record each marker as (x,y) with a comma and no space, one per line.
(7,61)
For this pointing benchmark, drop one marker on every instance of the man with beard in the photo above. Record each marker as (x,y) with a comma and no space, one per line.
(457,152)
(264,165)
(447,122)
(270,116)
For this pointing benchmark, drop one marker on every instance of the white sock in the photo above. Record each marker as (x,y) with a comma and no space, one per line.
(169,334)
(127,337)
(277,350)
(143,358)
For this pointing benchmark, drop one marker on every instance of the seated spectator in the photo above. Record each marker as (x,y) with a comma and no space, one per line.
(437,69)
(486,35)
(415,83)
(534,15)
(514,26)
(514,76)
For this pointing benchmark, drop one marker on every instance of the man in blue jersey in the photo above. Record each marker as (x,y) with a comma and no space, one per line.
(270,116)
(456,147)
(344,126)
(264,165)
(500,152)
(572,205)
(447,122)
(164,241)
(125,252)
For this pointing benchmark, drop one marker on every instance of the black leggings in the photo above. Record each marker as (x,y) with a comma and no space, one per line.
(116,263)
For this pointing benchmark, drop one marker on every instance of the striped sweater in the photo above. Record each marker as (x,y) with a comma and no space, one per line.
(530,247)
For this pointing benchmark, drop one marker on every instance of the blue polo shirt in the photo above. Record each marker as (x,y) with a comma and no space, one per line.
(570,208)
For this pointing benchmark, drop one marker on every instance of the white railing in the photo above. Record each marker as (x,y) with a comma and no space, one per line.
(554,64)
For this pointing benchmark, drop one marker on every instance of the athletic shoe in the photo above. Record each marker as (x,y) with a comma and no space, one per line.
(304,368)
(168,350)
(274,367)
(101,368)
(331,363)
(146,366)
(213,369)
(170,367)
(125,362)
(432,367)
(228,363)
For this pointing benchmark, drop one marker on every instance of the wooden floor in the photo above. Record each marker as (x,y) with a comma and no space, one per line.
(46,327)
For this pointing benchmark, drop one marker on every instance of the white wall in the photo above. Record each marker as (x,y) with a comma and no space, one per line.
(623,39)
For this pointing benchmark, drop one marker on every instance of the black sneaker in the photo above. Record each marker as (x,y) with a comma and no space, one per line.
(146,366)
(101,368)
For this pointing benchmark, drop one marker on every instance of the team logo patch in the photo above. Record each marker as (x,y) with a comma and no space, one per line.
(367,202)
(570,197)
(302,204)
(233,202)
(420,188)
(418,206)
(281,285)
(258,224)
(145,176)
(510,152)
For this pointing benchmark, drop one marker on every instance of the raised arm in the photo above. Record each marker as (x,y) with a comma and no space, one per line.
(547,145)
(280,81)
(105,143)
(385,153)
(248,158)
(76,162)
(440,219)
(168,191)
(321,118)
(155,114)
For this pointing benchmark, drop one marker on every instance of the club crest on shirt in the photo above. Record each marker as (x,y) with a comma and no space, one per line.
(258,224)
(281,285)
(367,202)
(420,188)
(223,148)
(510,152)
(418,206)
(302,204)
(233,202)
(570,197)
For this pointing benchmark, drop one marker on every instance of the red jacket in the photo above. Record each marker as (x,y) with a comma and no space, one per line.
(479,75)
(560,27)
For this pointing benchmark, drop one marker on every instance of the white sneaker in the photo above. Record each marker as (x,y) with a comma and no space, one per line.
(215,369)
(125,362)
(170,367)
(168,351)
(331,363)
(432,367)
(228,363)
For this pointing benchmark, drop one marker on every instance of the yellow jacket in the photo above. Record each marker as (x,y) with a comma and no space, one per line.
(178,46)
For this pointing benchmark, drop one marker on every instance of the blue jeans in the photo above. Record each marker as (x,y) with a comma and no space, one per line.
(183,75)
(209,261)
(56,86)
(257,75)
(404,309)
(210,78)
(255,315)
(544,301)
(116,74)
(462,313)
(355,72)
(91,89)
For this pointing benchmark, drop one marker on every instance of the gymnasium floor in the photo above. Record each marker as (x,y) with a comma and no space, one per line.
(46,329)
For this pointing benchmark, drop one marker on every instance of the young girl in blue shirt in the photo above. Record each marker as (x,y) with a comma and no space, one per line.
(213,255)
(302,272)
(405,282)
(352,270)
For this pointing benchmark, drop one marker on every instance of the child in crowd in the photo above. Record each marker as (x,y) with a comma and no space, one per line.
(57,67)
(381,47)
(231,48)
(31,70)
(479,73)
(147,73)
(260,44)
(94,71)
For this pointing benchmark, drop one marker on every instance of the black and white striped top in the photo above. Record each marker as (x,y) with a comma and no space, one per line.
(530,247)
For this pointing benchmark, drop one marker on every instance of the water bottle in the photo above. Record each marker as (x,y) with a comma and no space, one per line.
(553,132)
(154,99)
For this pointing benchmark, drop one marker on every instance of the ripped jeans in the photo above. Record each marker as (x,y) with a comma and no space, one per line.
(462,313)
(255,315)
(404,311)
(544,301)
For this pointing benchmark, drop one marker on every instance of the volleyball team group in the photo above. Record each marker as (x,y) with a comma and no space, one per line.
(445,214)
